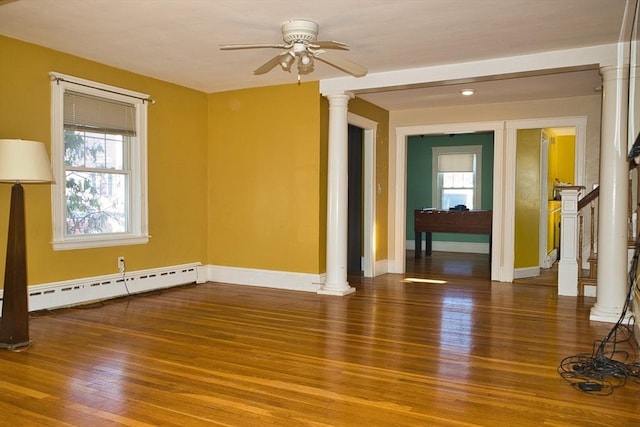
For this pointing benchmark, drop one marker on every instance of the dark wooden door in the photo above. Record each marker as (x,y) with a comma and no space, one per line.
(354,206)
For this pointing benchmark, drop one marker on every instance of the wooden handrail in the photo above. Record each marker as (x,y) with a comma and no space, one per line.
(593,194)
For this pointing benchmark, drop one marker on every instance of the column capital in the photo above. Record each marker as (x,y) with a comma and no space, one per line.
(338,96)
(612,72)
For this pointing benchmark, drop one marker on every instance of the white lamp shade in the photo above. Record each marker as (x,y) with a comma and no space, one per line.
(24,161)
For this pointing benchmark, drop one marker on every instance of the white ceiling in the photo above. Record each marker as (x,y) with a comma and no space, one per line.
(178,40)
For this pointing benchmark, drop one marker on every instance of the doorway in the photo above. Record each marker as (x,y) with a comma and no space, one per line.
(445,171)
(369,189)
(355,200)
(545,161)
(505,136)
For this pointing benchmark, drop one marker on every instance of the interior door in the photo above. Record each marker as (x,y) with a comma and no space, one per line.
(354,206)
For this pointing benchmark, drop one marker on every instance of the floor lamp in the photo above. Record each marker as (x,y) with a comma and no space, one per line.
(20,162)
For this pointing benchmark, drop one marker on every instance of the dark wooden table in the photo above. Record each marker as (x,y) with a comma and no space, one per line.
(452,221)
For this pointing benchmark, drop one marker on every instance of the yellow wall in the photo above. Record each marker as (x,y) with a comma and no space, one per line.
(561,159)
(176,165)
(561,167)
(527,199)
(236,178)
(265,178)
(565,146)
(268,177)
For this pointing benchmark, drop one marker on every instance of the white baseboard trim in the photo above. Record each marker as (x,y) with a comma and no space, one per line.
(589,291)
(265,278)
(551,258)
(91,289)
(520,273)
(462,247)
(380,267)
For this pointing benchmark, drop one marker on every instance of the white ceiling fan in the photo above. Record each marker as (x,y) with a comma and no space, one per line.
(300,42)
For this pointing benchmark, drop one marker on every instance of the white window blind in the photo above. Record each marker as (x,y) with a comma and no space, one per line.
(98,114)
(456,176)
(462,162)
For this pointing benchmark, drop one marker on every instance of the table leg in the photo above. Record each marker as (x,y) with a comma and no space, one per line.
(428,243)
(418,245)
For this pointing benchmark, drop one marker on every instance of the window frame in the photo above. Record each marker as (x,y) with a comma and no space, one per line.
(437,182)
(137,207)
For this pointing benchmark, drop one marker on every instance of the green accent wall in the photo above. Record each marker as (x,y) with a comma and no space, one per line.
(419,177)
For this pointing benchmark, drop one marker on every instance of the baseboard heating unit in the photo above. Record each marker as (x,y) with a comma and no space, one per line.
(81,291)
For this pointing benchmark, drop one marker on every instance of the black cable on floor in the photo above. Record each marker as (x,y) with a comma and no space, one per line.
(608,367)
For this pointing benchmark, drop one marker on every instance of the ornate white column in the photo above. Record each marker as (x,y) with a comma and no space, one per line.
(568,265)
(337,192)
(611,290)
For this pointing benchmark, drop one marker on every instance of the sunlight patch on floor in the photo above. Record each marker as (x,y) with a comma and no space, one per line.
(418,280)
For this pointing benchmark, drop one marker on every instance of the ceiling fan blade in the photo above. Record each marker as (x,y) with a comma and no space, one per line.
(254,46)
(270,64)
(328,44)
(341,63)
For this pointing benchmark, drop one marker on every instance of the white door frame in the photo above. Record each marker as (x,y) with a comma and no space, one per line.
(369,144)
(398,189)
(504,174)
(579,123)
(544,196)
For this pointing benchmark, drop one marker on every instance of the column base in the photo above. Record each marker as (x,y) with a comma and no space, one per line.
(336,290)
(607,314)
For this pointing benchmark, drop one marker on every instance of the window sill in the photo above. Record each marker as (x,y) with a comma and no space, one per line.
(88,243)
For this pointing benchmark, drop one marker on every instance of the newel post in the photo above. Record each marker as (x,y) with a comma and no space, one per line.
(569,228)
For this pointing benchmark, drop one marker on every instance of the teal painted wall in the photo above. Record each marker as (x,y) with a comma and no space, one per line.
(419,177)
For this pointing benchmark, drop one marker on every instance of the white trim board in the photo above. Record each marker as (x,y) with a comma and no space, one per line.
(504,155)
(398,185)
(265,278)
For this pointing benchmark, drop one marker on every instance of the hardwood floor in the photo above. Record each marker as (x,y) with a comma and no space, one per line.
(468,352)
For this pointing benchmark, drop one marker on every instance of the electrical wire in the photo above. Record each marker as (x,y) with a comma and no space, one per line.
(608,367)
(123,271)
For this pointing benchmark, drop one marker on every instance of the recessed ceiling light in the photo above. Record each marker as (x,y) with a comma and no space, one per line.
(467,92)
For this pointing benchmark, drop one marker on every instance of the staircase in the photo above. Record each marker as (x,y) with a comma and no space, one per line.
(587,277)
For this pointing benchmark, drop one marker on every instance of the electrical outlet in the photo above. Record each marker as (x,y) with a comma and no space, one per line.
(121,265)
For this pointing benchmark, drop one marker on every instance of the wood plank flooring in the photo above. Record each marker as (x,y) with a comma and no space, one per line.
(469,352)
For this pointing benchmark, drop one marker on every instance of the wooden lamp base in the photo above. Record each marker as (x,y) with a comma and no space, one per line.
(14,325)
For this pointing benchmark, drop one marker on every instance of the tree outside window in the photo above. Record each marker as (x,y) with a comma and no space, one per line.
(99,161)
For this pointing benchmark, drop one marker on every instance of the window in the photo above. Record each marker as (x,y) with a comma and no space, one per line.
(456,176)
(99,162)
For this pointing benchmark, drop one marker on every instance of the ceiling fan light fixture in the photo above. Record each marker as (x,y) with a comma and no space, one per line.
(305,63)
(287,61)
(305,59)
(305,68)
(467,92)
